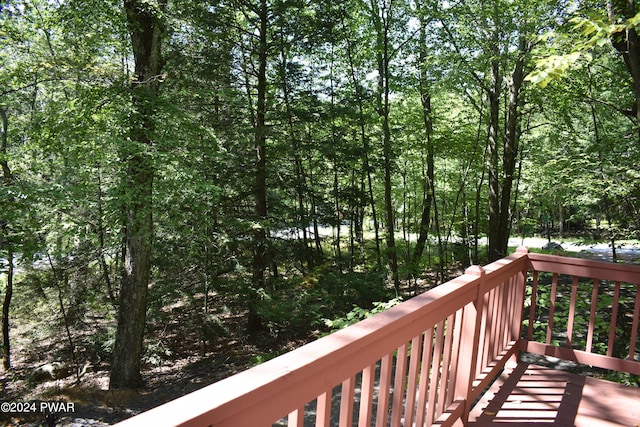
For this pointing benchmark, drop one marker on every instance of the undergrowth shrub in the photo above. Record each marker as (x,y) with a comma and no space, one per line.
(290,307)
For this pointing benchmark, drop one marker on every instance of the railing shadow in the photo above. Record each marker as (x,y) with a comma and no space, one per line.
(525,399)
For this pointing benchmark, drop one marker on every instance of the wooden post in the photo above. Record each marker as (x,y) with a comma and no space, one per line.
(470,338)
(517,315)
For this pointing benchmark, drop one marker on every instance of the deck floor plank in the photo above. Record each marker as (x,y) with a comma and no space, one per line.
(535,395)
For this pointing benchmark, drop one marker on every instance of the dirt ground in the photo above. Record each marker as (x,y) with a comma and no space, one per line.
(93,404)
(187,367)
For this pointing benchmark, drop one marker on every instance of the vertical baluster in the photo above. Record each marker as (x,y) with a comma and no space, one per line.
(383,393)
(592,314)
(398,386)
(446,363)
(346,402)
(468,356)
(435,374)
(532,309)
(425,372)
(296,418)
(510,311)
(498,337)
(614,319)
(496,327)
(484,326)
(446,353)
(517,306)
(634,327)
(366,395)
(505,291)
(495,323)
(572,311)
(412,384)
(491,327)
(552,307)
(458,333)
(323,409)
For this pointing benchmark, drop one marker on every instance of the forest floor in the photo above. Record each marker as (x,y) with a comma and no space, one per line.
(94,403)
(174,376)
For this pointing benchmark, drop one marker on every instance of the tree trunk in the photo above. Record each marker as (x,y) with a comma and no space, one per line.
(6,171)
(495,249)
(501,182)
(338,218)
(365,144)
(627,43)
(254,323)
(512,139)
(101,231)
(5,239)
(382,19)
(425,98)
(314,209)
(146,31)
(300,180)
(6,304)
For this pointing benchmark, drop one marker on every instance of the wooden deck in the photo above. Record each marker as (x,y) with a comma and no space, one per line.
(425,361)
(534,395)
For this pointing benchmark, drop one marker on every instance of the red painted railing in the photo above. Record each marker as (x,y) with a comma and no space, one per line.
(425,361)
(591,314)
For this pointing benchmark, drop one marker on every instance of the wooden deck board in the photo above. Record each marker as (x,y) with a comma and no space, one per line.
(535,395)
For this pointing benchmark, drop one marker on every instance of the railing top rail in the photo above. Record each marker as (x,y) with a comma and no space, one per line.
(594,269)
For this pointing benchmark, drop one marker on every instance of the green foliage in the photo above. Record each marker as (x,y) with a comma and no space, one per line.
(554,67)
(65,82)
(155,352)
(358,313)
(594,31)
(304,303)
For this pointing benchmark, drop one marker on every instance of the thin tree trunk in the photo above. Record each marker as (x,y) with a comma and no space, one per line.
(300,183)
(365,147)
(336,193)
(102,247)
(314,209)
(353,223)
(338,218)
(62,276)
(606,200)
(425,100)
(476,220)
(146,31)
(5,239)
(382,19)
(254,323)
(495,250)
(6,304)
(429,196)
(405,217)
(6,171)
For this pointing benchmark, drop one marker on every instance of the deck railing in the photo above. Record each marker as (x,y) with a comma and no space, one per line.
(425,361)
(589,314)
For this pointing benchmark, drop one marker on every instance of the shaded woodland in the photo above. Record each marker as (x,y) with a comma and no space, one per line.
(197,181)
